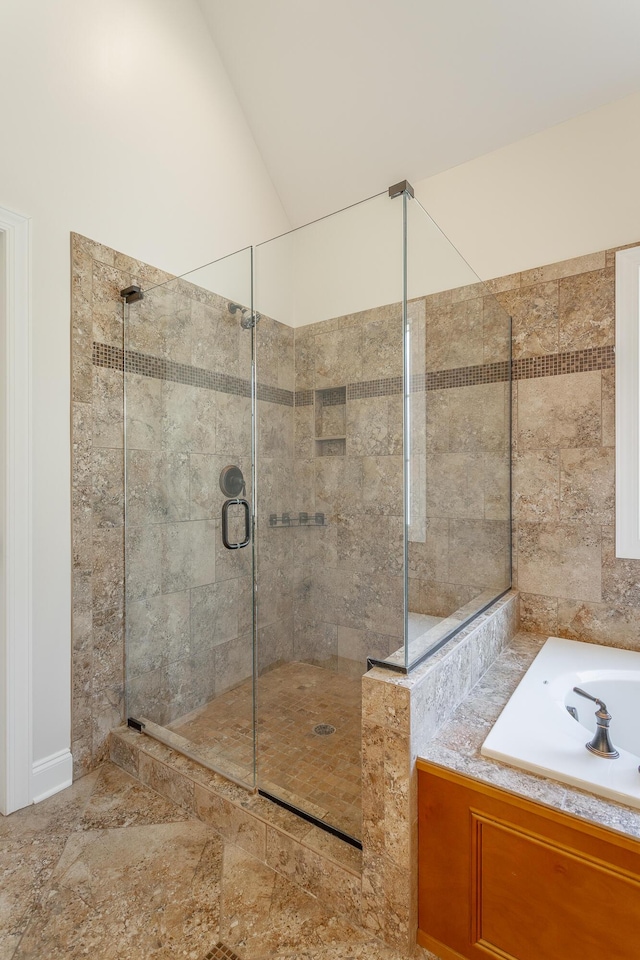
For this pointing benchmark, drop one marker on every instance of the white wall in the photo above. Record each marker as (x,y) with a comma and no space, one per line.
(352,261)
(118,122)
(570,190)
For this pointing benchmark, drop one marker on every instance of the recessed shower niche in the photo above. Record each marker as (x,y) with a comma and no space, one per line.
(357,374)
(331,422)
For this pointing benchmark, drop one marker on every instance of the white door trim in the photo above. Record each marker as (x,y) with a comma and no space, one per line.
(16,751)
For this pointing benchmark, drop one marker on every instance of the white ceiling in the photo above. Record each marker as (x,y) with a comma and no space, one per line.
(345,97)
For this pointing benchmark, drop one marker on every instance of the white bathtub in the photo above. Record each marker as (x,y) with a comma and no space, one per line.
(536,732)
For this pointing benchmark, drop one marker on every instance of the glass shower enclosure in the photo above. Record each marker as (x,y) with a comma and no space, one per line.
(317,436)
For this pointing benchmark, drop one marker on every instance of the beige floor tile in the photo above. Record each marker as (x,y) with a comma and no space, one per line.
(265,915)
(154,890)
(25,866)
(56,816)
(130,894)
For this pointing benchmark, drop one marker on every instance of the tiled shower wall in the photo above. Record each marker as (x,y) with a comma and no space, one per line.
(349,386)
(564,453)
(348,465)
(188,415)
(98,275)
(461,458)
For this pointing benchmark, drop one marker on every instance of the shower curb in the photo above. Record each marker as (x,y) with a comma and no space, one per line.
(319,863)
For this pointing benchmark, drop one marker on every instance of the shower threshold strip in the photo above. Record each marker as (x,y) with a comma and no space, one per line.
(334,831)
(183,746)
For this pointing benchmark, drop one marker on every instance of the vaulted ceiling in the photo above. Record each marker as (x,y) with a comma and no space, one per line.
(345,97)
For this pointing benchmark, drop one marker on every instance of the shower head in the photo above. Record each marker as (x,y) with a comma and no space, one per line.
(248,318)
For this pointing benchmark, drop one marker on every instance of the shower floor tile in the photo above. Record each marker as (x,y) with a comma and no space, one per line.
(318,773)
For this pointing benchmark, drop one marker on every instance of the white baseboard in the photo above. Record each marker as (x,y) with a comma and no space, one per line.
(51,775)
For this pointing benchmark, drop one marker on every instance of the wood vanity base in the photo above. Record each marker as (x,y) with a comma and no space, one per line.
(501,876)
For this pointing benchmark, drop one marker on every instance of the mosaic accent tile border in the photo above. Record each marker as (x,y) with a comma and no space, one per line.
(524,368)
(147,365)
(333,397)
(573,361)
(375,388)
(304,398)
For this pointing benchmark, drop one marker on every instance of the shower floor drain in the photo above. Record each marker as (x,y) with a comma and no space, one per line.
(324,729)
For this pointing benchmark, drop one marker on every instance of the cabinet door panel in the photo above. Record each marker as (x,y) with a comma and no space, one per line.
(501,876)
(534,897)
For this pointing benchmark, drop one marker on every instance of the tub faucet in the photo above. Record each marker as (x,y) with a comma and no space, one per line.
(601,743)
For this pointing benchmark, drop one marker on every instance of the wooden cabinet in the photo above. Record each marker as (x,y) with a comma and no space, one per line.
(500,876)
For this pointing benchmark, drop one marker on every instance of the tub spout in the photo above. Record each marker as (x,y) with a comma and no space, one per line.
(601,743)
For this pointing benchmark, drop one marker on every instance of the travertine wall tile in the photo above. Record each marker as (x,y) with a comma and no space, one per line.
(382,346)
(560,411)
(620,578)
(539,614)
(536,485)
(560,560)
(608,408)
(564,460)
(564,268)
(534,313)
(586,310)
(338,357)
(82,322)
(181,648)
(615,626)
(587,484)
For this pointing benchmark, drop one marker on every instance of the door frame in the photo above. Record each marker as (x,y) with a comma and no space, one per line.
(16,750)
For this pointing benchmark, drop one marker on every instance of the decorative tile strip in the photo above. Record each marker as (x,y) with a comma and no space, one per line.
(274,394)
(333,397)
(467,376)
(555,364)
(147,365)
(524,368)
(375,388)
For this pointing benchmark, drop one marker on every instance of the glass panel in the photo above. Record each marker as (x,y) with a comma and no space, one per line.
(189,600)
(458,436)
(329,364)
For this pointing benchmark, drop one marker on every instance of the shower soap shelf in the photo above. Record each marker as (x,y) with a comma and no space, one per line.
(301,519)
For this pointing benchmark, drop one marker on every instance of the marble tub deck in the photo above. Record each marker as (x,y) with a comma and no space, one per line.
(457,744)
(110,869)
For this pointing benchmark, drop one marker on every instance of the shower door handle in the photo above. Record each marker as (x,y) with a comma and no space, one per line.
(225,523)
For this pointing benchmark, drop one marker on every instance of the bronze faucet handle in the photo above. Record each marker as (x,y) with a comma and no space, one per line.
(601,703)
(601,743)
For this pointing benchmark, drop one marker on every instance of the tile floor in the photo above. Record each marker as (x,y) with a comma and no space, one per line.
(320,774)
(110,870)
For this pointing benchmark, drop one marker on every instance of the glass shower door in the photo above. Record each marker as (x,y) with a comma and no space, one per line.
(329,520)
(188,544)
